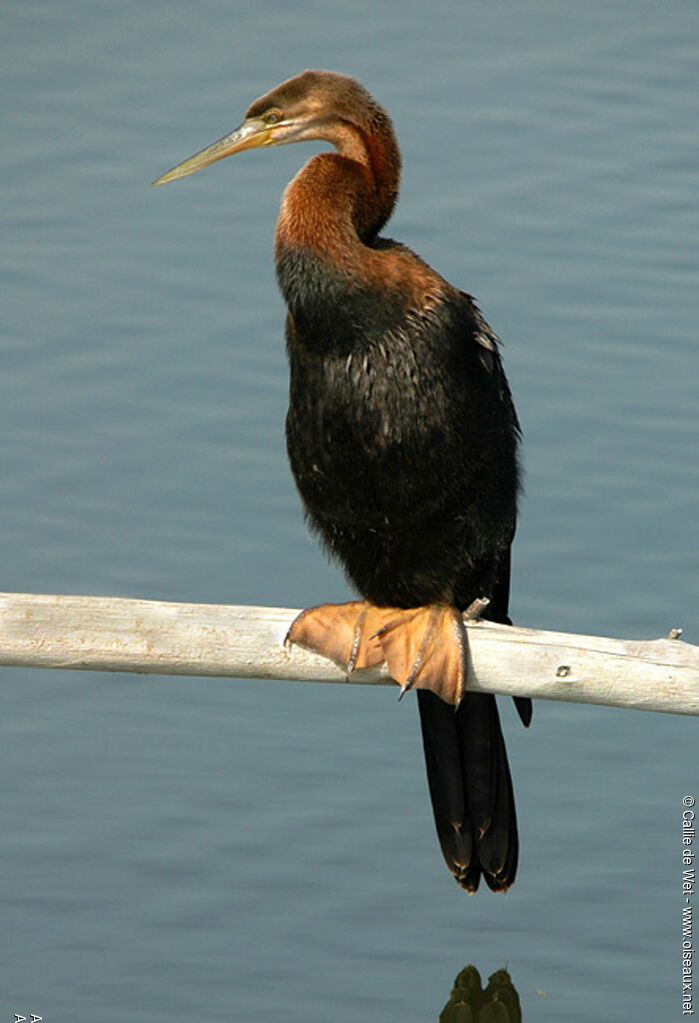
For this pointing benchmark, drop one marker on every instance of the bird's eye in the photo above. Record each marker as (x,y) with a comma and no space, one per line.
(273,116)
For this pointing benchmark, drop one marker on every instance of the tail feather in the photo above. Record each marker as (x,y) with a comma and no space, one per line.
(498,848)
(471,789)
(524,706)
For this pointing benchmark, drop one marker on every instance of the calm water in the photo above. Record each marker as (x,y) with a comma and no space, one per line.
(184,848)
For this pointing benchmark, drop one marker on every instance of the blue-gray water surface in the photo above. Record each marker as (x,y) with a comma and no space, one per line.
(180,848)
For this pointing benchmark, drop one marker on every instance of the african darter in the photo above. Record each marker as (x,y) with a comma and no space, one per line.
(402,438)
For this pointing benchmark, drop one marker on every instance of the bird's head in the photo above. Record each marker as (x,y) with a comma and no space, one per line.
(313,105)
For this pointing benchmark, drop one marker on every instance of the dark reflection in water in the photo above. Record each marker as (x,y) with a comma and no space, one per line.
(469,1002)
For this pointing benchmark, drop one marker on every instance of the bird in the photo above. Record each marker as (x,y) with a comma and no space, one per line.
(403,441)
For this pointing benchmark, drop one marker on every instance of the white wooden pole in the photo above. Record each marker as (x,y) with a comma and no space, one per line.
(121,634)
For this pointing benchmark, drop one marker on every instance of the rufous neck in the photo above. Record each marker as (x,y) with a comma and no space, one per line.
(342,199)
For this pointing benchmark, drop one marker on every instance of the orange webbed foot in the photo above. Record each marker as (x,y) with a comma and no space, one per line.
(424,647)
(346,633)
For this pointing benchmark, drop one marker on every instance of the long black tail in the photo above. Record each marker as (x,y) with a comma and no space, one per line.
(468,774)
(471,789)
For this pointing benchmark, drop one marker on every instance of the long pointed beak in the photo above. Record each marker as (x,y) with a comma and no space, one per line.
(252,133)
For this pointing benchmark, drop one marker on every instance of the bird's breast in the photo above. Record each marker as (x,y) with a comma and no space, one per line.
(367,433)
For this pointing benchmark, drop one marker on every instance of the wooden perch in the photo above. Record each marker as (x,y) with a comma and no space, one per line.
(119,634)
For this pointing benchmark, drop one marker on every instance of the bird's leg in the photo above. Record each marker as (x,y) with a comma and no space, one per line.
(424,647)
